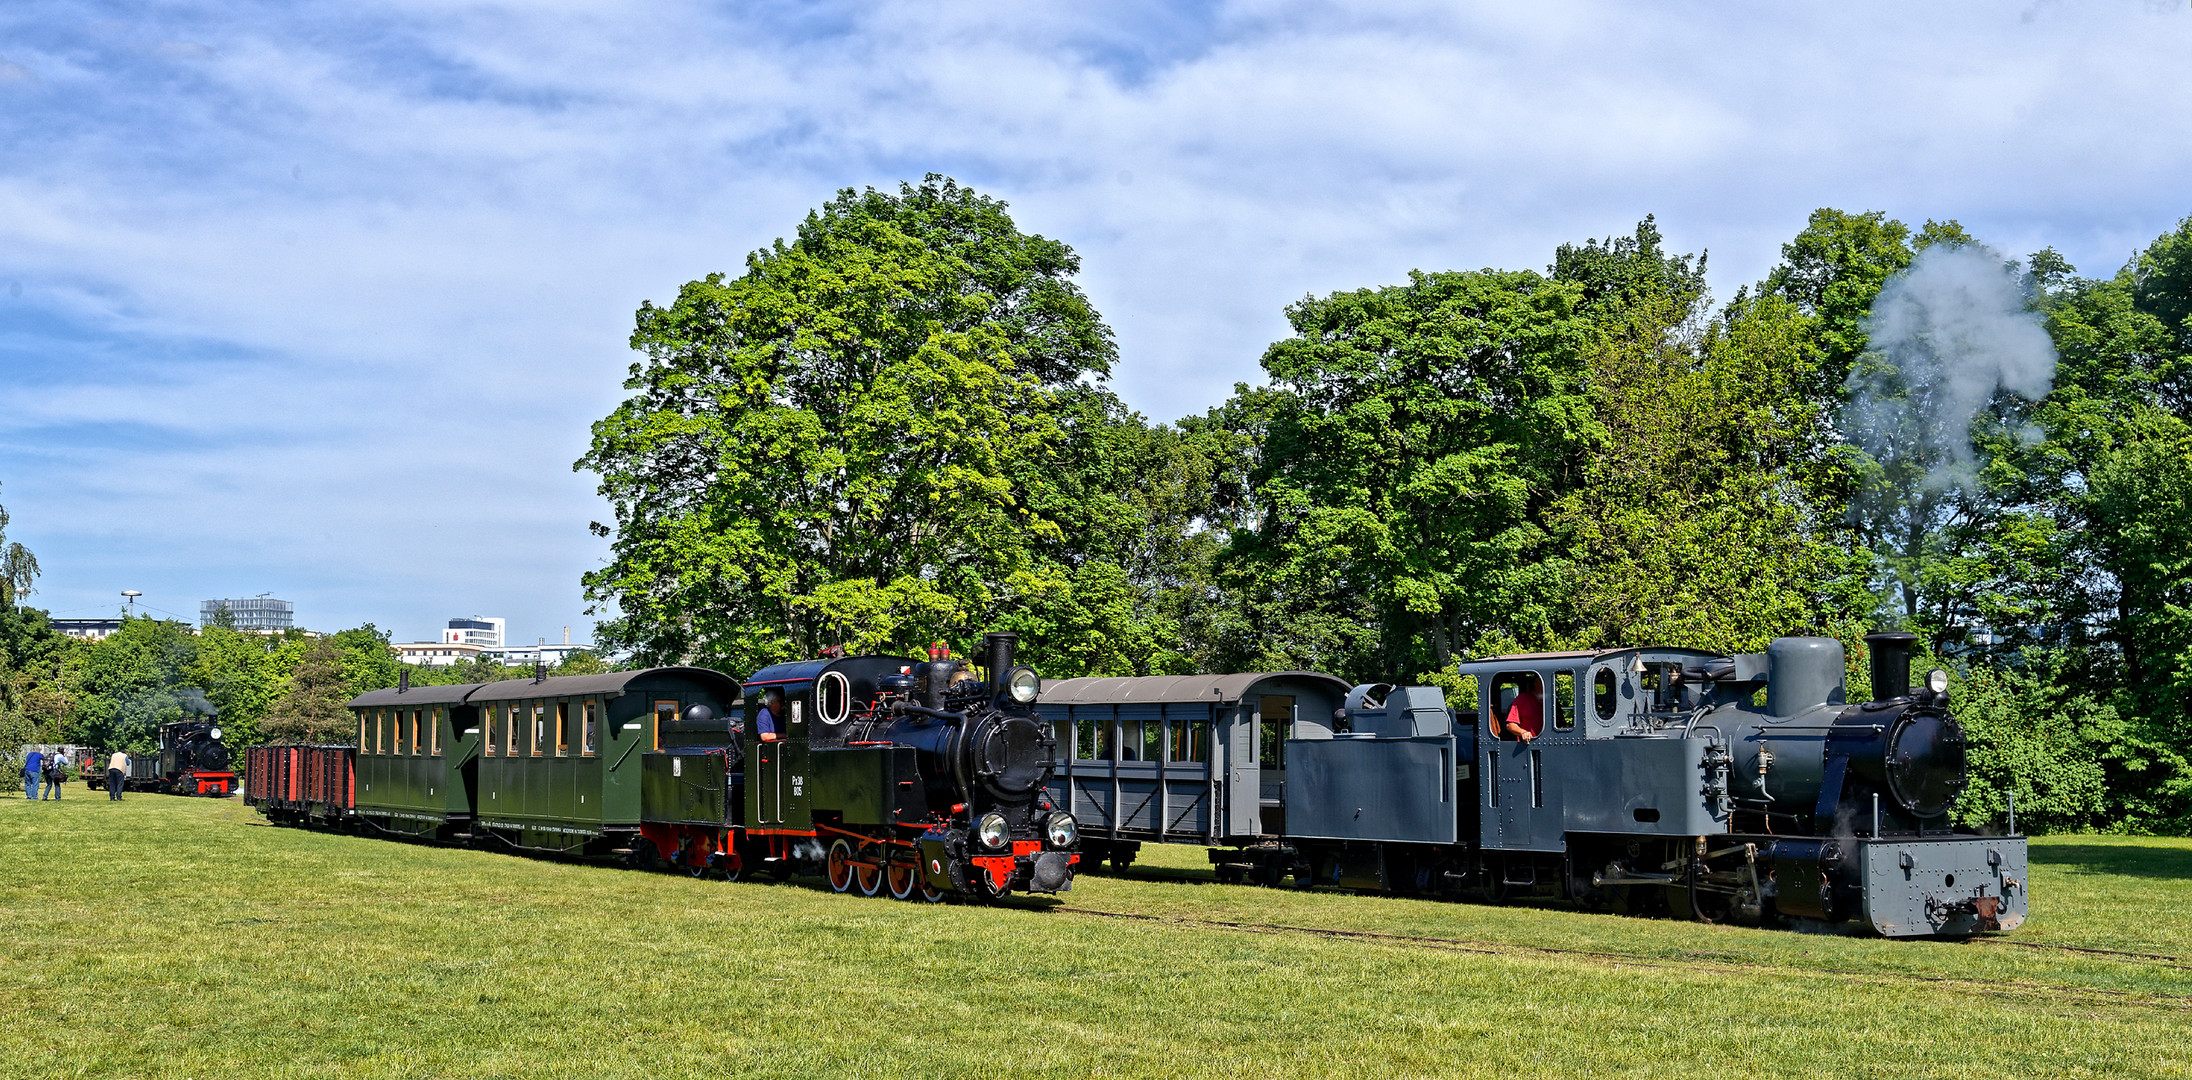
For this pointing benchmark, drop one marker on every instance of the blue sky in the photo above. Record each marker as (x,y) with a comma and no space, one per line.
(319,300)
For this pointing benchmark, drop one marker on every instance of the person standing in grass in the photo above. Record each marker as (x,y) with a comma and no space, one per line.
(33,762)
(117,771)
(56,775)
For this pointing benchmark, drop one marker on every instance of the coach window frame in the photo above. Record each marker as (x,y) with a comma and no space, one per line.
(674,707)
(540,728)
(434,736)
(589,731)
(563,729)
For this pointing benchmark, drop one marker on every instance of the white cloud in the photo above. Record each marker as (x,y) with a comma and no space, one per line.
(360,277)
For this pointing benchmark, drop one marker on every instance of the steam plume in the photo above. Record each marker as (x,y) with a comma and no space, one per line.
(1955,332)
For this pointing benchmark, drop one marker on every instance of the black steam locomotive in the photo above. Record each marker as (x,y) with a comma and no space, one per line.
(883,773)
(921,777)
(1740,788)
(191,759)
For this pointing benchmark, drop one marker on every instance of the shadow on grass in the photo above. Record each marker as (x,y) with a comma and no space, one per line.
(2131,860)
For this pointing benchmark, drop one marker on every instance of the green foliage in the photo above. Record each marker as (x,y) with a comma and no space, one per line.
(2037,736)
(850,443)
(311,706)
(1701,517)
(131,683)
(1409,444)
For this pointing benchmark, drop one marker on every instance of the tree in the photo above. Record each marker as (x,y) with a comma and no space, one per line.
(129,684)
(1410,441)
(312,708)
(1703,517)
(18,567)
(846,444)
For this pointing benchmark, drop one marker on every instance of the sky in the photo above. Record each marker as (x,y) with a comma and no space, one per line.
(320,300)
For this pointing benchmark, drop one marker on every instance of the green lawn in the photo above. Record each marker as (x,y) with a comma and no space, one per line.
(181,938)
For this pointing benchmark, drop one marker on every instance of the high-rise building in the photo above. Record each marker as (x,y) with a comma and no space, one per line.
(258,614)
(480,630)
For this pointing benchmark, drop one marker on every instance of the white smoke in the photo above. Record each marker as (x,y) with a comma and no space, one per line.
(1955,328)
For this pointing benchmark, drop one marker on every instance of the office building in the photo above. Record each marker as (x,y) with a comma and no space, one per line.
(258,614)
(436,653)
(480,630)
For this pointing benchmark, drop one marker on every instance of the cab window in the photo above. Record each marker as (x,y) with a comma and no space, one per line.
(1603,693)
(1518,695)
(1564,696)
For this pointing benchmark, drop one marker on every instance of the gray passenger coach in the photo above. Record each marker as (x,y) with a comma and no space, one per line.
(1194,759)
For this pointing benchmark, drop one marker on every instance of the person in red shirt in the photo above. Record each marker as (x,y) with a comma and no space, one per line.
(1526,715)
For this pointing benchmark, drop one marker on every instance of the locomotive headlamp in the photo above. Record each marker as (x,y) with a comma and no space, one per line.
(1062,829)
(992,831)
(216,733)
(1937,681)
(1024,684)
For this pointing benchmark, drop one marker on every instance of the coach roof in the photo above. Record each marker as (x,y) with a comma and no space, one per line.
(1155,689)
(608,684)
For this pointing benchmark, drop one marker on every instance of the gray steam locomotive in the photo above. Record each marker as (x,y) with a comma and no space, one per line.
(1737,788)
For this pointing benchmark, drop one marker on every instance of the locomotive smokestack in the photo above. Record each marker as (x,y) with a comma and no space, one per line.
(1891,663)
(998,647)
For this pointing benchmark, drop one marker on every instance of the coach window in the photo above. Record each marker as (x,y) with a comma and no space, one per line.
(1274,715)
(540,729)
(563,729)
(433,738)
(1153,739)
(1084,737)
(418,721)
(510,730)
(589,717)
(666,711)
(1130,739)
(380,731)
(1189,739)
(1564,694)
(362,744)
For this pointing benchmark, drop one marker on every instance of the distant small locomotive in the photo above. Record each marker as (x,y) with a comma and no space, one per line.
(1738,788)
(191,759)
(885,773)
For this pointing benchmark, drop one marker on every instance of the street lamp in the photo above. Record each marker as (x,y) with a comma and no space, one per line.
(131,596)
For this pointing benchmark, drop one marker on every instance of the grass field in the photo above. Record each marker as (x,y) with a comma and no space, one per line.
(181,938)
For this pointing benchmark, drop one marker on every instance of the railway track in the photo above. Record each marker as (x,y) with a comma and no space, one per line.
(2020,989)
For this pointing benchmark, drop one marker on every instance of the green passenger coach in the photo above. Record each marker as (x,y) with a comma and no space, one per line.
(544,764)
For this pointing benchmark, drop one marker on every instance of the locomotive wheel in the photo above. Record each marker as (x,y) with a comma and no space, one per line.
(731,864)
(869,878)
(903,879)
(841,866)
(928,892)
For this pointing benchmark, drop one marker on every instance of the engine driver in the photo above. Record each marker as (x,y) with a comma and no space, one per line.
(1526,715)
(772,707)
